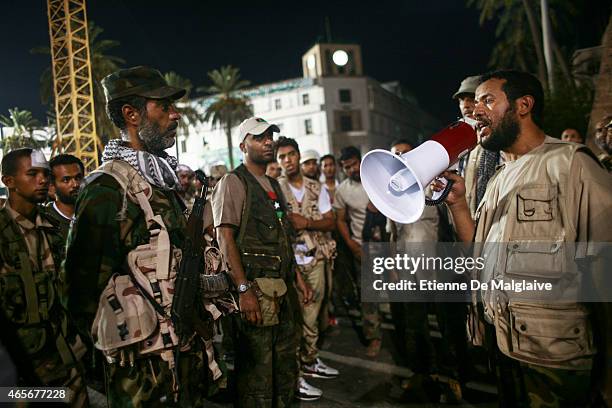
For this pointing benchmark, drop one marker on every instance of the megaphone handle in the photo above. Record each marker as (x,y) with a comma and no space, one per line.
(445,193)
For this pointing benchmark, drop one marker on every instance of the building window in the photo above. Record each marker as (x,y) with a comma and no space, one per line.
(346,122)
(277,104)
(345,95)
(305,99)
(183,146)
(308,126)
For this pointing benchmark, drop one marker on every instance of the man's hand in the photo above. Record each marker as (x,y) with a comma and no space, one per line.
(305,290)
(457,193)
(303,287)
(299,221)
(355,249)
(249,307)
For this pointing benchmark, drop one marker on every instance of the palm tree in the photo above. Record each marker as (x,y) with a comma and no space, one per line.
(230,106)
(519,34)
(23,125)
(101,65)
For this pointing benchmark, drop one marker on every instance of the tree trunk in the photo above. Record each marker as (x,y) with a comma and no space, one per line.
(230,147)
(562,62)
(537,42)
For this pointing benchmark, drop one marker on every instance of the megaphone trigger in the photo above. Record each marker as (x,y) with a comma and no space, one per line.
(441,188)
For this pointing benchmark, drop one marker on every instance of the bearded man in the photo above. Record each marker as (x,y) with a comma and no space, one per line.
(126,238)
(66,176)
(541,216)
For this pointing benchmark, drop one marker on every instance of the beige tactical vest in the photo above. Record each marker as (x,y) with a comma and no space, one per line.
(127,324)
(525,217)
(320,243)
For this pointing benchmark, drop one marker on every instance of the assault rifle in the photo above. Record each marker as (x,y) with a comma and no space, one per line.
(191,283)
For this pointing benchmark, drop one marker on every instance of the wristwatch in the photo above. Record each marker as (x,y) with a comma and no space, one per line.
(243,287)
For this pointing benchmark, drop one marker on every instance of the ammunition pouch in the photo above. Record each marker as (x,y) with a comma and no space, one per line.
(270,295)
(260,265)
(214,282)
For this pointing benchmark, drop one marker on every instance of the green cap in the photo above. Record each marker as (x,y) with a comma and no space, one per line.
(468,86)
(139,81)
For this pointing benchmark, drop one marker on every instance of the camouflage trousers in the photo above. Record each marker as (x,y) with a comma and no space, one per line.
(150,382)
(527,385)
(266,362)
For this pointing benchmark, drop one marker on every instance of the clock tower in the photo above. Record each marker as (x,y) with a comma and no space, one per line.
(332,60)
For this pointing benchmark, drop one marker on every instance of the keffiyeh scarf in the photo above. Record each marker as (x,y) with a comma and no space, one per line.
(157,170)
(486,168)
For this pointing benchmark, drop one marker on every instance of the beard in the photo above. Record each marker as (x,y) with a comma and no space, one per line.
(505,134)
(68,199)
(153,138)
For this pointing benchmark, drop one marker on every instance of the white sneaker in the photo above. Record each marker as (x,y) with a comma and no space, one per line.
(307,392)
(319,370)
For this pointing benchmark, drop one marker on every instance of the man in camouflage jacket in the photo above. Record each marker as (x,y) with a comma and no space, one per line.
(108,225)
(31,246)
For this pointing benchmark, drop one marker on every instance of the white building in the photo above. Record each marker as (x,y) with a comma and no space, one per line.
(332,106)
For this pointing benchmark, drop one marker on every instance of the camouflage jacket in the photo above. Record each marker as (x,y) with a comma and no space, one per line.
(99,240)
(30,292)
(57,219)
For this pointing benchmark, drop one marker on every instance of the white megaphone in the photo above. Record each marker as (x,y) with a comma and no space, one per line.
(395,184)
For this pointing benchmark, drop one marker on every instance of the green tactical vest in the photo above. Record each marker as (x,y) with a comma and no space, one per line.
(264,238)
(31,300)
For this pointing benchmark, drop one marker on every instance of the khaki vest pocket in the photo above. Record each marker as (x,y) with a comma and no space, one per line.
(536,259)
(537,203)
(551,335)
(270,294)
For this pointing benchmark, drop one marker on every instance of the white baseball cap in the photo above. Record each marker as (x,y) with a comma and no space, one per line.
(39,160)
(309,155)
(255,126)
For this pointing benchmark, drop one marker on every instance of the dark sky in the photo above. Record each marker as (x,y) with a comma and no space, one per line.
(429,45)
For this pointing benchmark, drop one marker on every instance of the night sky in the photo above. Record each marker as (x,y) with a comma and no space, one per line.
(430,46)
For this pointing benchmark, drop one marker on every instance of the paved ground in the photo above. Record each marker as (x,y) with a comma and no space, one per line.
(364,382)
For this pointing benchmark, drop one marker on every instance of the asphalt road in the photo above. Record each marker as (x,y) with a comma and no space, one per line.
(364,382)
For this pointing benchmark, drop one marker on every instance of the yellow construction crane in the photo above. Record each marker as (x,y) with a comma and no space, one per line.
(72,81)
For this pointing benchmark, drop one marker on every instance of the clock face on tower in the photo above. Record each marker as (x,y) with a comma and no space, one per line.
(340,58)
(311,62)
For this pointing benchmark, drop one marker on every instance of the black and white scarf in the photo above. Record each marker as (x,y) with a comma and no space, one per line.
(486,169)
(157,170)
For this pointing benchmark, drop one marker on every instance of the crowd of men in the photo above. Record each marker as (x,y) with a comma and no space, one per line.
(89,264)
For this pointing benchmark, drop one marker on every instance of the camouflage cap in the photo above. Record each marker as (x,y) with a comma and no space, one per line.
(468,86)
(139,81)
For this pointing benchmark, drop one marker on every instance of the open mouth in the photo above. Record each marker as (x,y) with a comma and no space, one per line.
(483,128)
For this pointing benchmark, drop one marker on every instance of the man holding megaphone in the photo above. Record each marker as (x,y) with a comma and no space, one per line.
(546,191)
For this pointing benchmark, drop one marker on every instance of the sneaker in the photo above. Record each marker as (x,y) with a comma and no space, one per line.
(307,392)
(319,370)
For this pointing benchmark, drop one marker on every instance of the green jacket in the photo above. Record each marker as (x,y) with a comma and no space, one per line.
(57,219)
(30,299)
(98,242)
(264,239)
